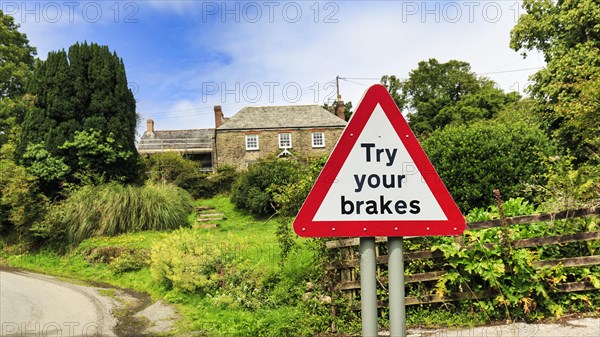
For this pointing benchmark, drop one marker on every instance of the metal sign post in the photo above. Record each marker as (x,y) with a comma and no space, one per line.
(396,286)
(368,287)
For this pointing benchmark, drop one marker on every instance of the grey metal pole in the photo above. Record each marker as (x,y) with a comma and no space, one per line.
(396,287)
(368,287)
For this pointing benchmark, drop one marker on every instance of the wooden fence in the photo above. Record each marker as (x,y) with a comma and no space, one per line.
(349,283)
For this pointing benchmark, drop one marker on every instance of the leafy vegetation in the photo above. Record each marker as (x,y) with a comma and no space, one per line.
(228,281)
(439,94)
(22,206)
(114,209)
(83,116)
(67,128)
(472,160)
(17,58)
(173,168)
(255,188)
(567,90)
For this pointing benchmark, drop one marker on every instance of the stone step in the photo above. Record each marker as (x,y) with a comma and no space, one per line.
(209,219)
(205,226)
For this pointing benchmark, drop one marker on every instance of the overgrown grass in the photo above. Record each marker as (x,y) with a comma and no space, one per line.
(258,296)
(246,289)
(114,209)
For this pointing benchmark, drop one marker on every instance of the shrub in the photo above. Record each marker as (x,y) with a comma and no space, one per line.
(473,160)
(114,209)
(170,167)
(255,188)
(211,184)
(22,206)
(187,261)
(289,198)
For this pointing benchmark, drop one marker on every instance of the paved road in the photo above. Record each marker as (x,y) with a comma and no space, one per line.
(574,327)
(36,305)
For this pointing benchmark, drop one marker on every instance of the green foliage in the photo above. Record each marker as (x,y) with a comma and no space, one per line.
(290,197)
(17,57)
(114,209)
(512,207)
(347,109)
(567,90)
(254,189)
(523,291)
(43,165)
(438,94)
(94,156)
(21,204)
(12,112)
(212,184)
(473,160)
(188,261)
(486,261)
(285,237)
(568,187)
(237,296)
(170,167)
(82,109)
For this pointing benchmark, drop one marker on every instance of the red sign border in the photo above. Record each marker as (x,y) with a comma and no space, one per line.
(306,227)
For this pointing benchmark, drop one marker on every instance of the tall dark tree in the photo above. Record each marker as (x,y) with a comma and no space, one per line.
(567,90)
(437,94)
(83,108)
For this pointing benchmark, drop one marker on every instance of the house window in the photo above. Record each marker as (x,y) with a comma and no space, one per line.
(285,140)
(318,139)
(251,142)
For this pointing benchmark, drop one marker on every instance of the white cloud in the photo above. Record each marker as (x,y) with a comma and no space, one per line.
(366,39)
(369,40)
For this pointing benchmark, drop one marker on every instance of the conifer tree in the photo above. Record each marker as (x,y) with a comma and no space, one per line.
(82,92)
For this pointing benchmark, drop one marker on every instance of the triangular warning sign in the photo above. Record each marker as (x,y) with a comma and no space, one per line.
(378,181)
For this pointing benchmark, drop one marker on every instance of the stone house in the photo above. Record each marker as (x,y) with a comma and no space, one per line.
(251,134)
(258,132)
(195,144)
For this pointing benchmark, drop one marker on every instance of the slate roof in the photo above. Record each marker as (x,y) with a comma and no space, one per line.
(280,117)
(190,141)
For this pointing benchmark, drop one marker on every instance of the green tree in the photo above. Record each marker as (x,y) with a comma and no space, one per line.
(83,108)
(16,62)
(438,94)
(347,108)
(567,90)
(21,204)
(17,57)
(473,160)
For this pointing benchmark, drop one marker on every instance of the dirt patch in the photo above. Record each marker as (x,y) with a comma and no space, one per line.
(161,317)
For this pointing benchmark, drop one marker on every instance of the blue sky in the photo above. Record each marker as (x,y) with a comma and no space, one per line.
(183,57)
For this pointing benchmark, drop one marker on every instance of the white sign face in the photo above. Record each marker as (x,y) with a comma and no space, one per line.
(379,180)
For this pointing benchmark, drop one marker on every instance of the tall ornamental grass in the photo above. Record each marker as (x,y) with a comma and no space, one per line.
(114,209)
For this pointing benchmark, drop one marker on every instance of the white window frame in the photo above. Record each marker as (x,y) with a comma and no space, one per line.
(282,140)
(249,142)
(322,139)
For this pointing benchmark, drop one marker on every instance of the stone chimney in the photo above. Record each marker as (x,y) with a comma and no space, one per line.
(218,116)
(340,109)
(149,125)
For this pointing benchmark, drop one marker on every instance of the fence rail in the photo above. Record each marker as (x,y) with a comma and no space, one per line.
(180,144)
(348,263)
